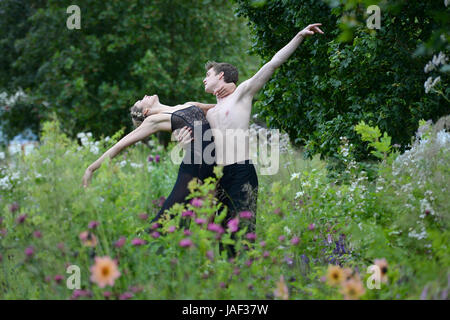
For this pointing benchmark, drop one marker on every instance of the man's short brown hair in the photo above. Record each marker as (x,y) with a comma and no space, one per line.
(230,72)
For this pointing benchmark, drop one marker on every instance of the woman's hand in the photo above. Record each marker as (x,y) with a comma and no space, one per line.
(225,90)
(184,136)
(87,177)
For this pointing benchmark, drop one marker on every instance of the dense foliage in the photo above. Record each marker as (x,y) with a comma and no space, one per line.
(351,73)
(125,49)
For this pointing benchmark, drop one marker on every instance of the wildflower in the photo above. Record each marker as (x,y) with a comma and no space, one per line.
(249,262)
(250,236)
(119,243)
(185,243)
(81,293)
(155,226)
(281,238)
(93,224)
(295,241)
(187,232)
(210,255)
(157,158)
(138,242)
(171,229)
(187,213)
(37,234)
(60,246)
(126,296)
(14,207)
(295,175)
(352,289)
(335,275)
(266,254)
(21,218)
(281,291)
(107,294)
(246,214)
(143,216)
(222,285)
(104,271)
(299,194)
(312,226)
(58,278)
(88,239)
(197,202)
(200,221)
(150,159)
(262,244)
(233,224)
(216,228)
(155,235)
(383,265)
(277,211)
(29,252)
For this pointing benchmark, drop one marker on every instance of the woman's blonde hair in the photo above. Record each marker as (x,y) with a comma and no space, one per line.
(136,115)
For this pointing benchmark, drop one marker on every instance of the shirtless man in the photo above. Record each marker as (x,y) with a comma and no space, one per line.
(229,121)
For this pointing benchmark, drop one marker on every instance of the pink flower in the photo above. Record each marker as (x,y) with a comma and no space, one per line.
(137,242)
(93,224)
(266,254)
(157,158)
(295,241)
(29,251)
(107,294)
(187,213)
(171,229)
(186,243)
(233,224)
(37,234)
(126,296)
(21,218)
(200,221)
(222,285)
(210,255)
(249,262)
(155,234)
(216,228)
(143,216)
(155,226)
(281,238)
(81,293)
(187,232)
(277,211)
(14,207)
(246,215)
(58,278)
(119,243)
(197,202)
(161,200)
(250,236)
(262,243)
(312,226)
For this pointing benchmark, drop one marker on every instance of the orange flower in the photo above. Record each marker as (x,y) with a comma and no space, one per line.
(335,275)
(104,271)
(383,265)
(88,239)
(353,288)
(281,291)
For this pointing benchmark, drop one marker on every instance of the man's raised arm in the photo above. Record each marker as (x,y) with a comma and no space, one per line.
(255,83)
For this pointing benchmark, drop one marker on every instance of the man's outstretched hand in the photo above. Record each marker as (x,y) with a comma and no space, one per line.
(311,30)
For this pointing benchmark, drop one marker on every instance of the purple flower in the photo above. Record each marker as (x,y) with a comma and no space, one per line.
(216,228)
(266,254)
(210,255)
(262,243)
(137,242)
(150,159)
(119,243)
(329,238)
(250,236)
(143,216)
(281,238)
(58,278)
(93,224)
(107,294)
(233,224)
(81,293)
(312,226)
(197,202)
(155,226)
(161,200)
(171,229)
(187,213)
(187,232)
(246,215)
(29,252)
(37,234)
(249,262)
(157,158)
(14,207)
(186,243)
(126,296)
(295,241)
(155,234)
(200,221)
(21,218)
(222,285)
(277,211)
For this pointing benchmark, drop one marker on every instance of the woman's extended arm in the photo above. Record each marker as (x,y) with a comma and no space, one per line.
(152,124)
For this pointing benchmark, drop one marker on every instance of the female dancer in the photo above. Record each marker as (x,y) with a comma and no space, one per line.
(150,116)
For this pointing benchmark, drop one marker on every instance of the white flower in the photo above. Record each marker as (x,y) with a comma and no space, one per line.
(107,139)
(427,84)
(299,194)
(136,165)
(122,163)
(94,149)
(287,230)
(295,175)
(89,134)
(429,67)
(81,135)
(46,161)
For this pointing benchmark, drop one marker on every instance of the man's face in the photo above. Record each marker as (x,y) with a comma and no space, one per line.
(212,80)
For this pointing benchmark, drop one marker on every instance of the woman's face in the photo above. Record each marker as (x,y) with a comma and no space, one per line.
(147,103)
